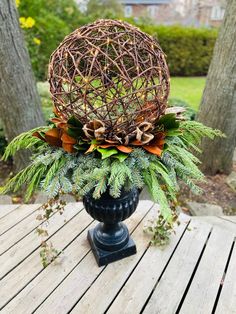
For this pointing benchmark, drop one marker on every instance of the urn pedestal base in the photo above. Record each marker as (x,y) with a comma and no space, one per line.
(104,257)
(110,240)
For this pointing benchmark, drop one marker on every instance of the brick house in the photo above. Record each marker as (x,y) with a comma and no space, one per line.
(156,10)
(211,12)
(207,13)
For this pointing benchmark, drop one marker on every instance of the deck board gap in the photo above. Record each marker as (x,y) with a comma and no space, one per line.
(31,213)
(39,246)
(74,305)
(227,219)
(84,256)
(25,235)
(223,277)
(115,296)
(194,272)
(12,206)
(48,265)
(159,278)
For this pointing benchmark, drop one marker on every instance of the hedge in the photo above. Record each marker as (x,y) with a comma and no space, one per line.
(189,50)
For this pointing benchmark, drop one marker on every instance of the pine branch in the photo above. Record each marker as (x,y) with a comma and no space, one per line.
(100,187)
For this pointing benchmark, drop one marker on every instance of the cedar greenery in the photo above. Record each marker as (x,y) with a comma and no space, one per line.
(57,172)
(23,141)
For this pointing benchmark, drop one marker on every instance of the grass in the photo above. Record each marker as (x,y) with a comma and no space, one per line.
(188,89)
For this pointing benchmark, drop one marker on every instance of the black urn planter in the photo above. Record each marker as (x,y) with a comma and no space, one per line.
(110,239)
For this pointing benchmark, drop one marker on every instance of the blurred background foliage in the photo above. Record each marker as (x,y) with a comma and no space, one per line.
(54,19)
(189,50)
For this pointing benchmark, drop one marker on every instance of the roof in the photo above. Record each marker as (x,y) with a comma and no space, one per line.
(148,2)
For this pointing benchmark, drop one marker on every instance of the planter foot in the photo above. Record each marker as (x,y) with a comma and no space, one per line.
(106,257)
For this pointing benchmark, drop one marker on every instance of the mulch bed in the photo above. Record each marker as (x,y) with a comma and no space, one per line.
(5,171)
(215,191)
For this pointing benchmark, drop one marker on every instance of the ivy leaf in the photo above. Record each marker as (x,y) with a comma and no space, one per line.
(107,152)
(121,156)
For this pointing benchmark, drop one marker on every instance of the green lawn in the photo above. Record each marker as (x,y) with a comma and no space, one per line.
(188,89)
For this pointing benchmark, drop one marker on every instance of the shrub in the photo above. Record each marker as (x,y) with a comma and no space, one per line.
(189,50)
(54,19)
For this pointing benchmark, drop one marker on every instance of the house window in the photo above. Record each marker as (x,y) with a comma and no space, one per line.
(128,10)
(151,10)
(217,13)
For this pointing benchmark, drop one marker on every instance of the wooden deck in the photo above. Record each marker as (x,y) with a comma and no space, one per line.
(195,273)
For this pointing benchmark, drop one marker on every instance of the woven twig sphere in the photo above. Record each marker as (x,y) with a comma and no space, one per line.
(112,72)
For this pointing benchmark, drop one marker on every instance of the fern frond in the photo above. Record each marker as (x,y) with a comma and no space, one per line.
(186,174)
(137,178)
(23,177)
(86,188)
(183,159)
(120,174)
(53,188)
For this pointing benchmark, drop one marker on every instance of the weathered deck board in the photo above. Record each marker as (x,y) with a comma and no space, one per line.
(29,273)
(209,273)
(139,286)
(87,272)
(217,221)
(19,231)
(180,268)
(229,218)
(7,209)
(227,301)
(184,277)
(16,254)
(15,216)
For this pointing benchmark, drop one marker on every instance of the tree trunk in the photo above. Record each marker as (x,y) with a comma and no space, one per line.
(218,106)
(20,107)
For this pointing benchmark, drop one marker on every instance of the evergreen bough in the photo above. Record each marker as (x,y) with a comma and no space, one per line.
(57,172)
